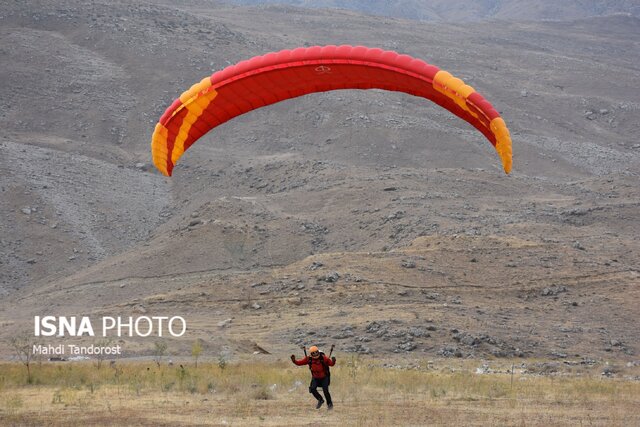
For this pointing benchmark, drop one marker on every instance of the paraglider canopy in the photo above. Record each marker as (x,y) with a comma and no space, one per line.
(270,78)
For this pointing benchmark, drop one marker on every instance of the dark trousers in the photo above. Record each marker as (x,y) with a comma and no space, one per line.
(324,383)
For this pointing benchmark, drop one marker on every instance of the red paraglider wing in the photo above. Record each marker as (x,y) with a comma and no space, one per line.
(270,78)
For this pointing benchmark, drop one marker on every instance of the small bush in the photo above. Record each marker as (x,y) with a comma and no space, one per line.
(263,393)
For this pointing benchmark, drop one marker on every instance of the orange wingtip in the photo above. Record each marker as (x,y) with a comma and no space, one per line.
(503,142)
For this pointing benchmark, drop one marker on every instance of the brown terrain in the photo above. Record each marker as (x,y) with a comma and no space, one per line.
(371,220)
(469,11)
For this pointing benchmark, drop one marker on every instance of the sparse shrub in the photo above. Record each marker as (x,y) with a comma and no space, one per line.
(182,374)
(159,351)
(436,393)
(68,396)
(354,366)
(117,373)
(92,387)
(262,393)
(222,362)
(232,388)
(497,390)
(23,348)
(196,350)
(136,386)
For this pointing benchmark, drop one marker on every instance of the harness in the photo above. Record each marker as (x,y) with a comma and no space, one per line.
(327,372)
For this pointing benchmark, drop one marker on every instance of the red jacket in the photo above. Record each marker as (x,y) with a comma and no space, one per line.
(317,370)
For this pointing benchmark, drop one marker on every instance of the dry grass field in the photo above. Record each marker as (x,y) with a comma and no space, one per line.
(366,392)
(370,220)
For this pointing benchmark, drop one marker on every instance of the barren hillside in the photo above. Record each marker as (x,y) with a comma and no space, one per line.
(466,10)
(370,219)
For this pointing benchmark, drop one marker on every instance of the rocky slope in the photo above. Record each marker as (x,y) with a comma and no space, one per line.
(464,10)
(395,196)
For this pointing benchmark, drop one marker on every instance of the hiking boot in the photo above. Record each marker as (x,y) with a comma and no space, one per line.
(320,402)
(329,406)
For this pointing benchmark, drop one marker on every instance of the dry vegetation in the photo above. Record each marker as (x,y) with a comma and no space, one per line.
(365,219)
(275,393)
